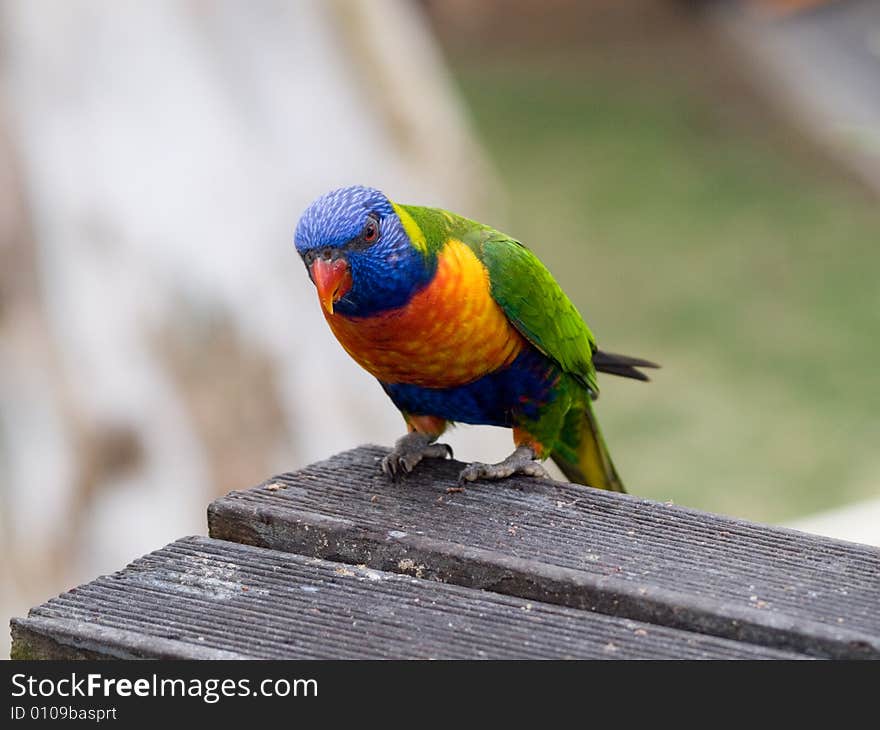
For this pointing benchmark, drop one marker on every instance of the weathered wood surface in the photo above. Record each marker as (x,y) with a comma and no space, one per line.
(202,598)
(563,544)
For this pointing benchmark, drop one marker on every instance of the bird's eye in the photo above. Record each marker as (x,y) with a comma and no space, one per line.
(371,230)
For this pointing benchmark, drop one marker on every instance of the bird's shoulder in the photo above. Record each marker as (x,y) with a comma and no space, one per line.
(431,229)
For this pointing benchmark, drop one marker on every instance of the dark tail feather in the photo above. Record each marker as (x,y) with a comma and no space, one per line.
(623,365)
(583,456)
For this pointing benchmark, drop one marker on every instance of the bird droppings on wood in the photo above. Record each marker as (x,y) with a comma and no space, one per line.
(407,565)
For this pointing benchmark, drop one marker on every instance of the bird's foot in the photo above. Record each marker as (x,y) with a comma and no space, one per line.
(410,450)
(521,461)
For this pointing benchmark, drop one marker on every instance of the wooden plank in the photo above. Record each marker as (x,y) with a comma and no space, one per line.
(37,637)
(204,598)
(559,543)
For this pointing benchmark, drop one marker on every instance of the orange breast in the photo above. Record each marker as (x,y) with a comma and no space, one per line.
(451,333)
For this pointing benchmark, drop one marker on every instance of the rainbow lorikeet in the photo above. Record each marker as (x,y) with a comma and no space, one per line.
(460,322)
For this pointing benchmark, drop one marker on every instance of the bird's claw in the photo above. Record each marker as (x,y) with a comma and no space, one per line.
(409,451)
(520,461)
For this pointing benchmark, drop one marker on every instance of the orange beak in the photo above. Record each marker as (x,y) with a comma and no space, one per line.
(332,280)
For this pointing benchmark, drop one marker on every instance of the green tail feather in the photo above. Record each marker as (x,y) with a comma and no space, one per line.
(582,454)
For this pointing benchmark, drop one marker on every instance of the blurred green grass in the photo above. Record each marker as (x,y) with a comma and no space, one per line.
(749,271)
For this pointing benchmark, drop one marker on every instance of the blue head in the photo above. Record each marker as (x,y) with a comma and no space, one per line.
(358,254)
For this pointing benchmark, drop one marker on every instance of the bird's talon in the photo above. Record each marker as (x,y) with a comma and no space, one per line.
(409,451)
(520,461)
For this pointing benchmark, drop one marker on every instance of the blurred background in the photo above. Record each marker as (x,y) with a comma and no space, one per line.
(703,179)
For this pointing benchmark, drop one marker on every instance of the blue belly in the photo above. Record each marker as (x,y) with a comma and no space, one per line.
(497,399)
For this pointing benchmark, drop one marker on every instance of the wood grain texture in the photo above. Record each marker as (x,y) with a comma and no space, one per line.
(568,545)
(202,599)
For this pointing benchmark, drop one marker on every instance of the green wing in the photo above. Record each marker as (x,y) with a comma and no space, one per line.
(536,305)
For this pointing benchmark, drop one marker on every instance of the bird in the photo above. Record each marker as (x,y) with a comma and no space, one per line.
(460,323)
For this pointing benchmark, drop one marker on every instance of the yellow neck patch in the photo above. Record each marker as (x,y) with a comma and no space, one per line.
(416,236)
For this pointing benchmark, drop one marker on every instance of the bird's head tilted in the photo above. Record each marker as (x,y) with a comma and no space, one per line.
(358,253)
